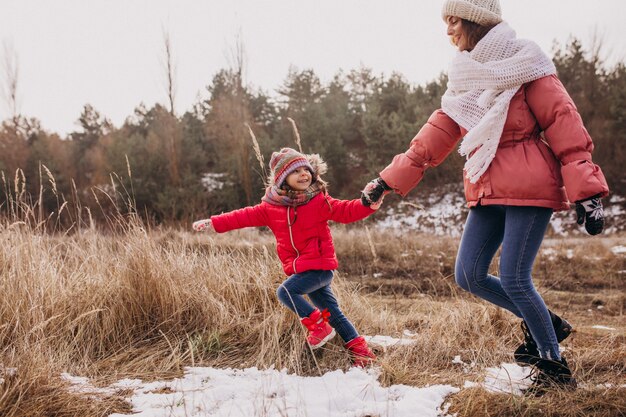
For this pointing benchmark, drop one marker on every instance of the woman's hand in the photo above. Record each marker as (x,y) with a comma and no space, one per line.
(373,193)
(591,213)
(204,225)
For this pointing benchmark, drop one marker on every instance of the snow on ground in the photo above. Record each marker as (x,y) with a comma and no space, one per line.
(443,211)
(550,253)
(8,372)
(619,250)
(597,326)
(508,378)
(439,214)
(213,181)
(387,341)
(253,392)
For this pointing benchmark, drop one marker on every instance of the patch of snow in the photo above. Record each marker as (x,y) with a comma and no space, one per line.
(409,333)
(466,366)
(508,378)
(619,250)
(608,385)
(82,385)
(441,214)
(213,181)
(550,253)
(597,326)
(387,341)
(6,372)
(559,224)
(251,392)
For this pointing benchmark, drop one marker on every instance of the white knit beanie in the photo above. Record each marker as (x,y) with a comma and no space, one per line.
(483,12)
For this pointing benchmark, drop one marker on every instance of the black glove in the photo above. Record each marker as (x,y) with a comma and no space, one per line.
(591,213)
(374,191)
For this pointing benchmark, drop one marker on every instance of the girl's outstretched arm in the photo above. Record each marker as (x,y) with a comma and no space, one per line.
(347,211)
(254,216)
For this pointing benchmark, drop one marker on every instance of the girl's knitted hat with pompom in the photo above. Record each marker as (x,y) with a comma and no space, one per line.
(483,12)
(286,161)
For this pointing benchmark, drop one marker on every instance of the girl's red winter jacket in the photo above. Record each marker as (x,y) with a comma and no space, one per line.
(303,239)
(527,170)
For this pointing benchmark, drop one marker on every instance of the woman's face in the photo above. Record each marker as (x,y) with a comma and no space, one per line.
(456,33)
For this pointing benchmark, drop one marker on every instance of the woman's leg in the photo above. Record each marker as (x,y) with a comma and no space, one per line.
(291,292)
(483,233)
(523,233)
(325,298)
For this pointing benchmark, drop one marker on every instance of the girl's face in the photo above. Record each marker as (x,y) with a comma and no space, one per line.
(456,33)
(300,179)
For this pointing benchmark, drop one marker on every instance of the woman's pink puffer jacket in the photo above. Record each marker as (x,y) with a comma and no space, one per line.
(543,159)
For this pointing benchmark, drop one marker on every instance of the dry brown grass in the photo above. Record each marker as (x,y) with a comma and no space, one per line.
(144,304)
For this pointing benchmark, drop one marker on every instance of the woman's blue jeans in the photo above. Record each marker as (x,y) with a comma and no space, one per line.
(520,231)
(315,284)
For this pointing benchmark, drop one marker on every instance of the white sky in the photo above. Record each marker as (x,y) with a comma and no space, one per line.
(109,53)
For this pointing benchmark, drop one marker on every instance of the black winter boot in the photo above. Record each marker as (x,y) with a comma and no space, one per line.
(527,353)
(550,374)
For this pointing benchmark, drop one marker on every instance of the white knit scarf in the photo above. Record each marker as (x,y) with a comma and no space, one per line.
(481,84)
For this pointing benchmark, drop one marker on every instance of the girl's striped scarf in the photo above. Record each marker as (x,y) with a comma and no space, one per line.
(281,197)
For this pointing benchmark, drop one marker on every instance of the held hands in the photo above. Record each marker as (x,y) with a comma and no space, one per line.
(204,225)
(591,213)
(374,192)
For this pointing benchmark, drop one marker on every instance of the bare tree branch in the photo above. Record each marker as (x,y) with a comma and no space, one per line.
(170,71)
(10,82)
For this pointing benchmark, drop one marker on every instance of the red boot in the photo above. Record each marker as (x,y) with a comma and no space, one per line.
(320,331)
(360,353)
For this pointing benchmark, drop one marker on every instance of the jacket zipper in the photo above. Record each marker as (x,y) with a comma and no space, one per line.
(293,245)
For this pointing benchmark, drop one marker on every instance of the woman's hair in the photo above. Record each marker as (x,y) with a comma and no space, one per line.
(475,32)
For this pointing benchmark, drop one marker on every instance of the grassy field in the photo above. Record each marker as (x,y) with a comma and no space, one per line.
(145,303)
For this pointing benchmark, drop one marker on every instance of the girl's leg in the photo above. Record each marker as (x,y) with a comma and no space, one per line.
(291,292)
(523,234)
(483,233)
(324,298)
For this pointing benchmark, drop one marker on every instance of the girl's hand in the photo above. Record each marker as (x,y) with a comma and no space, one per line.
(376,205)
(204,225)
(374,192)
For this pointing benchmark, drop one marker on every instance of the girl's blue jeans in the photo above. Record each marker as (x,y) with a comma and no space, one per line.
(520,231)
(315,284)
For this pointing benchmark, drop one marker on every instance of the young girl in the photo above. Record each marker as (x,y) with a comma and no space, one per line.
(297,208)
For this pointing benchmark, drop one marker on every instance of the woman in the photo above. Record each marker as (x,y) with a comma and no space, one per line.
(528,154)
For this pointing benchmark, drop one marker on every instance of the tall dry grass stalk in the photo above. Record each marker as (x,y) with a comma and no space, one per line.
(371,243)
(257,153)
(296,133)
